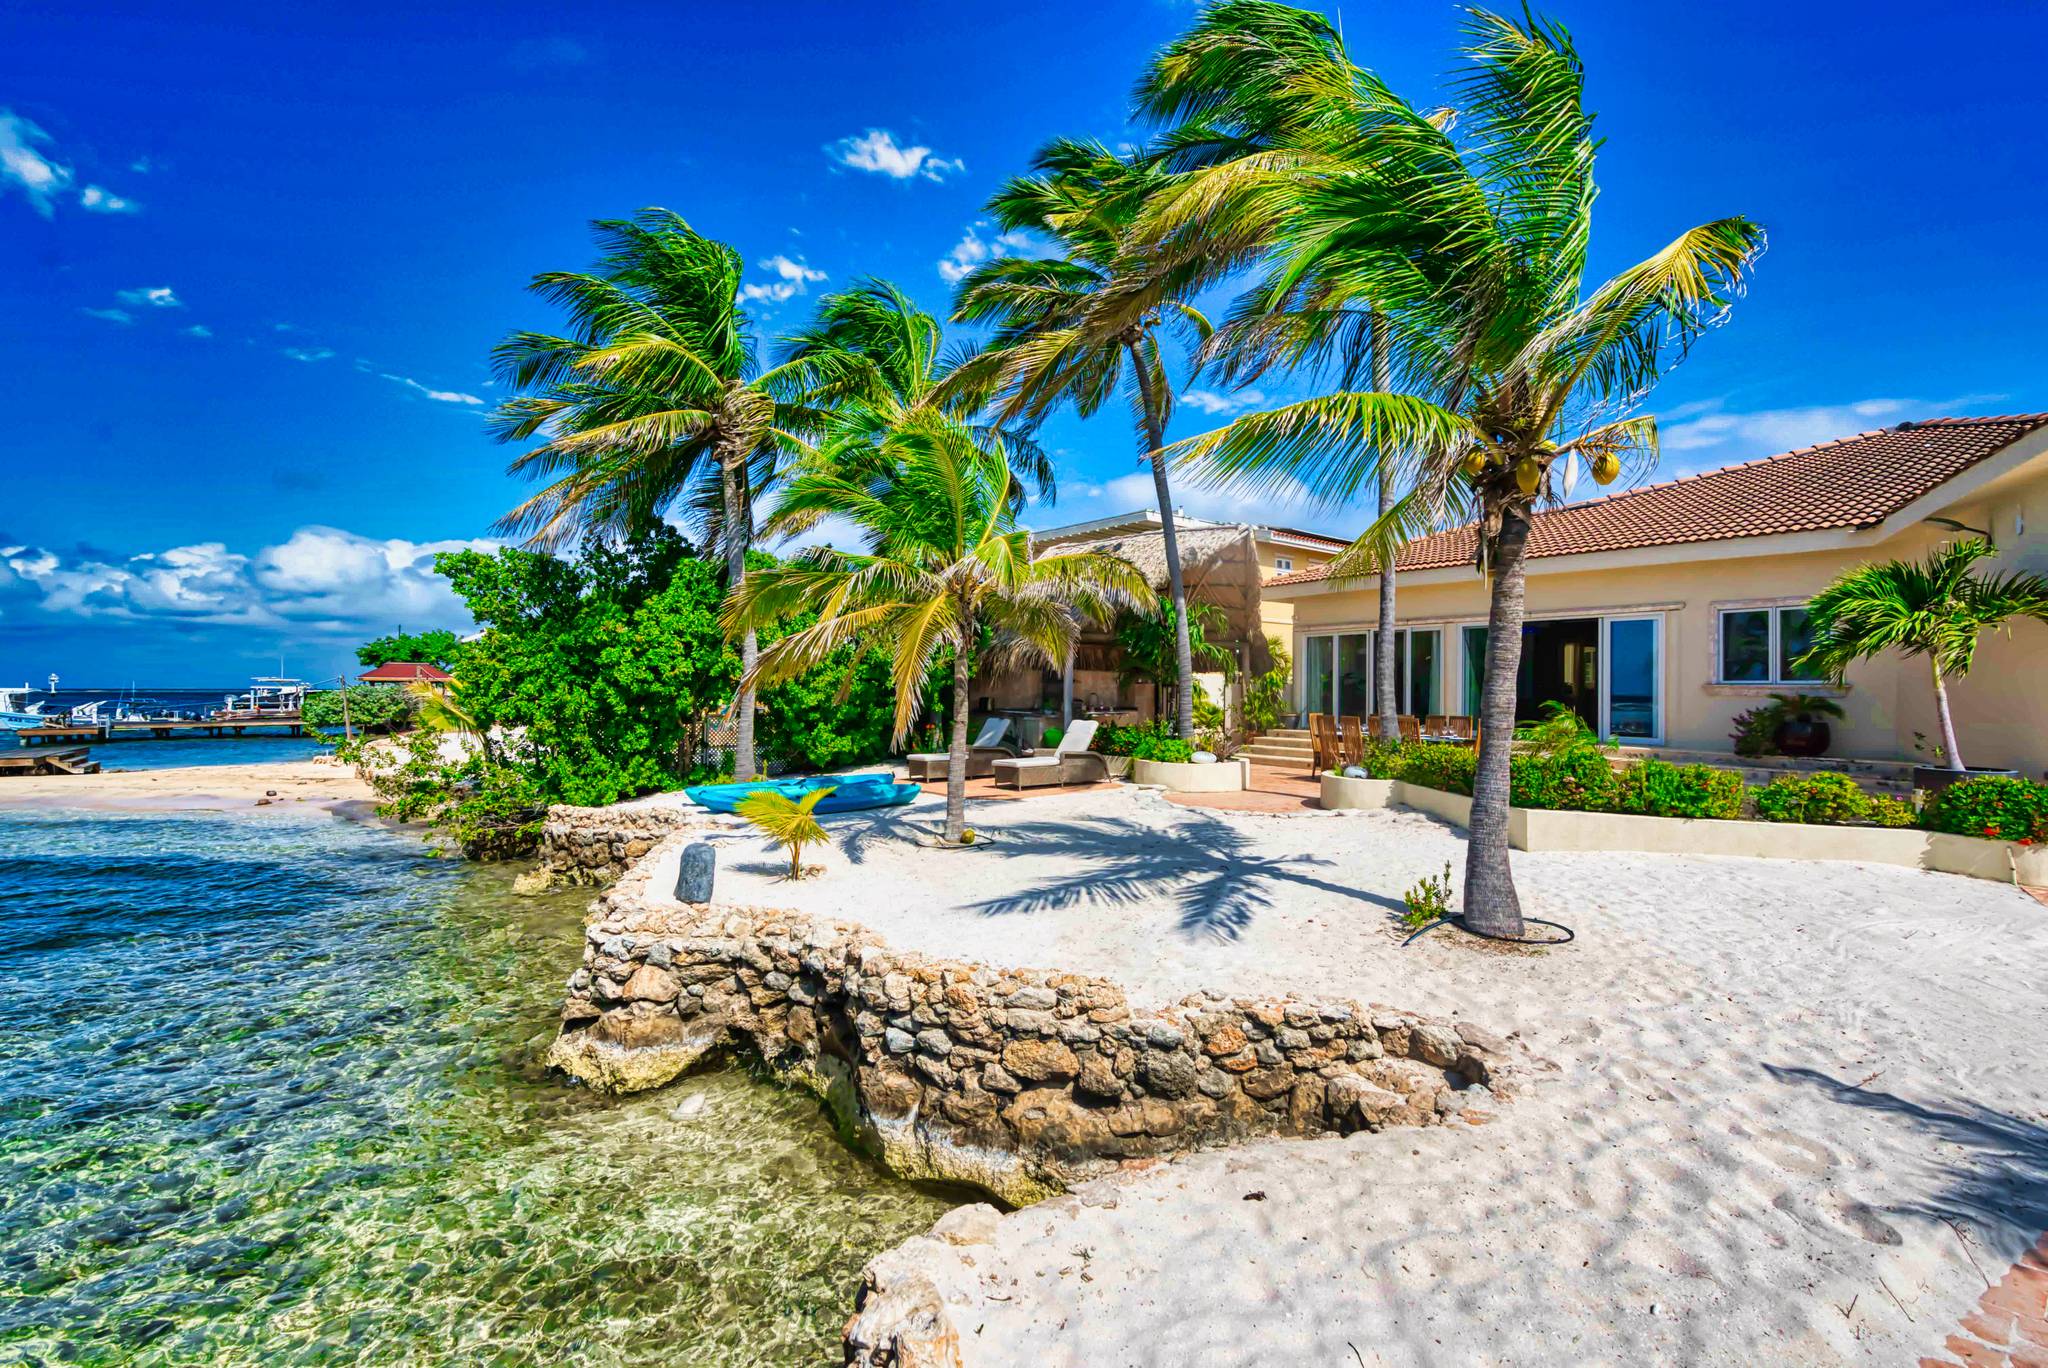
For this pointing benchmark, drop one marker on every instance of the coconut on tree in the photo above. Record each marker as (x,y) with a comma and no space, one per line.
(1468,237)
(946,578)
(1085,325)
(650,405)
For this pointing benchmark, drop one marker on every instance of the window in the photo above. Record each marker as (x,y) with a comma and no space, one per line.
(1337,670)
(1762,645)
(1282,564)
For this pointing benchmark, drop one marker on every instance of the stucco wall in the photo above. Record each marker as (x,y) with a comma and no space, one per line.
(2002,708)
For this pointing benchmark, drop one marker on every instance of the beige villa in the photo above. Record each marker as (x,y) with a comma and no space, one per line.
(1661,612)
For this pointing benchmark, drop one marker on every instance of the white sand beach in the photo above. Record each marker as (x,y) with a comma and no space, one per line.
(1774,1112)
(291,782)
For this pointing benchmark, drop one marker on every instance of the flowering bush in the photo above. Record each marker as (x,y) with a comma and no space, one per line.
(1819,799)
(1994,808)
(1657,788)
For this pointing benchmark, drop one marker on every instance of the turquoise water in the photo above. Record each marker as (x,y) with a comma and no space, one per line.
(271,1094)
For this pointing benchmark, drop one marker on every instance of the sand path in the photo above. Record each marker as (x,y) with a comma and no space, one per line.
(291,782)
(1777,1112)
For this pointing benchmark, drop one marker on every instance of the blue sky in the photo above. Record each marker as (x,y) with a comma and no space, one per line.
(255,257)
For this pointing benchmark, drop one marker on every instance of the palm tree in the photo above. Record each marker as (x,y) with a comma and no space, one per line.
(1080,326)
(1936,609)
(1469,239)
(945,561)
(1262,101)
(652,404)
(787,822)
(871,364)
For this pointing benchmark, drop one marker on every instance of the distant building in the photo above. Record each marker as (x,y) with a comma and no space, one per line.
(409,672)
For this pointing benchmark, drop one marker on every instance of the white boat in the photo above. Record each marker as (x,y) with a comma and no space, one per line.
(270,697)
(17,713)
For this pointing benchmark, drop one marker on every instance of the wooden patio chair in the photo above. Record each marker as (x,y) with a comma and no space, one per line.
(1352,751)
(1458,726)
(1322,743)
(1436,724)
(1411,728)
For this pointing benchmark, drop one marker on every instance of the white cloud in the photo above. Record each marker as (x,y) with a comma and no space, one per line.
(792,278)
(27,164)
(438,396)
(153,296)
(198,330)
(37,176)
(308,353)
(1210,402)
(141,166)
(1705,433)
(110,315)
(320,577)
(876,150)
(1082,500)
(100,200)
(972,249)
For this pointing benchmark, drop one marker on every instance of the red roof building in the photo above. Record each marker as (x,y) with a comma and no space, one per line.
(406,672)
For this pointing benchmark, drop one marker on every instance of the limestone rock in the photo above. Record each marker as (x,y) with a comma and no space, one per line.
(1038,1060)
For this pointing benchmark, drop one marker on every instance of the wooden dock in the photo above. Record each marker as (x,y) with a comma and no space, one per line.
(158,731)
(62,762)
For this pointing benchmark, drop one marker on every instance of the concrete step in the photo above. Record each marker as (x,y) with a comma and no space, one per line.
(1268,746)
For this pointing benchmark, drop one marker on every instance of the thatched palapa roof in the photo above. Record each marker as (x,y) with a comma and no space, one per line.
(1218,565)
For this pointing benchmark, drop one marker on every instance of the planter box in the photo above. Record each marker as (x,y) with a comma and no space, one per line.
(1543,829)
(1119,766)
(1340,792)
(1225,776)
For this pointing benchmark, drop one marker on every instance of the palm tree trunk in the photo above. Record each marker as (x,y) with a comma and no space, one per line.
(1383,646)
(956,750)
(1491,905)
(732,474)
(1948,721)
(1183,652)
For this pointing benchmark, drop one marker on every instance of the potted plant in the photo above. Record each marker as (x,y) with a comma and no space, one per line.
(1799,723)
(1936,610)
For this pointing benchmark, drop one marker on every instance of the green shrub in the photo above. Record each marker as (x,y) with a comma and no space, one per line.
(1995,808)
(1163,747)
(1816,799)
(1265,695)
(1113,738)
(1382,759)
(1576,778)
(1208,712)
(1890,812)
(1437,766)
(1428,901)
(1657,788)
(371,708)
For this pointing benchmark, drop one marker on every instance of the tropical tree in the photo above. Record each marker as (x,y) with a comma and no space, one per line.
(1080,326)
(651,405)
(871,365)
(1262,100)
(1150,642)
(1936,610)
(1468,237)
(945,561)
(787,822)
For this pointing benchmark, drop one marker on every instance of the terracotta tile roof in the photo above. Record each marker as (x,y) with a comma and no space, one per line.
(405,672)
(1850,482)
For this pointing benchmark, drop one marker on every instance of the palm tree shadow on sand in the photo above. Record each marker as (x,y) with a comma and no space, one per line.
(1998,1180)
(1204,866)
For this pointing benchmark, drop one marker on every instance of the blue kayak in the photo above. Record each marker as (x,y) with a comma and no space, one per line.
(850,793)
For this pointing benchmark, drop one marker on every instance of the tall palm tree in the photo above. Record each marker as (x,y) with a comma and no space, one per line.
(1469,238)
(652,403)
(1260,100)
(945,561)
(870,363)
(1936,609)
(1056,342)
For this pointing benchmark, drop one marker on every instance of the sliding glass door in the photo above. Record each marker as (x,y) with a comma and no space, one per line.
(1609,670)
(1337,672)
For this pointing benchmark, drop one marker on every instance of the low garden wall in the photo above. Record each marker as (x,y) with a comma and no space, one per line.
(1016,1082)
(596,846)
(1542,829)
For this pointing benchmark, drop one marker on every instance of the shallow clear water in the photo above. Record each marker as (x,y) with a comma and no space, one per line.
(271,1094)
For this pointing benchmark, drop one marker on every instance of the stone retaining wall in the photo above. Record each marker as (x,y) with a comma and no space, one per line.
(1017,1082)
(596,846)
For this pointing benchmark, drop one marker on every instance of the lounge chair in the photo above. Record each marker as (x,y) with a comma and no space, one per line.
(1071,763)
(991,744)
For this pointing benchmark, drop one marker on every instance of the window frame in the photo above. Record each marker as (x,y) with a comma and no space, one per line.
(1775,676)
(1283,565)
